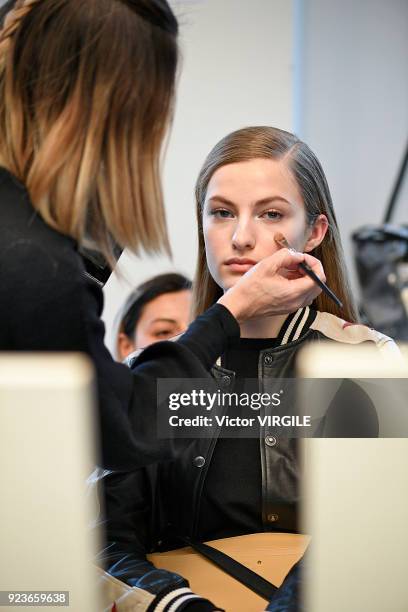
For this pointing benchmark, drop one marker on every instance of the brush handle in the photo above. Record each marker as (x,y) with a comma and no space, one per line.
(308,270)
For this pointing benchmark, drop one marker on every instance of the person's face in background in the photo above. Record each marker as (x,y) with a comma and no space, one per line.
(246,204)
(162,318)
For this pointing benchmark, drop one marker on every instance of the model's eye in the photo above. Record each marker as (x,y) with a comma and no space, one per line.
(272,215)
(164,333)
(221,213)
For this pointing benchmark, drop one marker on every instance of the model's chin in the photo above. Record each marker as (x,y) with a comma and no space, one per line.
(228,283)
(227,280)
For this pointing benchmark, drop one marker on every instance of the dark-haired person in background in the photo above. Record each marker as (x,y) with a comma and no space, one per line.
(86,97)
(158,309)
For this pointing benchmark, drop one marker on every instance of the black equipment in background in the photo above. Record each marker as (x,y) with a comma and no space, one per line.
(381,256)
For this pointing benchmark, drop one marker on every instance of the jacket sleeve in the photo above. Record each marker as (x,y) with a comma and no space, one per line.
(128,398)
(128,510)
(49,304)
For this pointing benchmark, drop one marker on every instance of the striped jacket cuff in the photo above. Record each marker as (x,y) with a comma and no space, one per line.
(176,601)
(173,600)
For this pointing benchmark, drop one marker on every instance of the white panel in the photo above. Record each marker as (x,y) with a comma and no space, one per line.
(356,511)
(355,497)
(47,451)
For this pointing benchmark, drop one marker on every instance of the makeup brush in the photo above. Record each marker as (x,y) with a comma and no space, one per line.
(281,240)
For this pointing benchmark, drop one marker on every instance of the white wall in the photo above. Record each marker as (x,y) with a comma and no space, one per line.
(236,71)
(352,106)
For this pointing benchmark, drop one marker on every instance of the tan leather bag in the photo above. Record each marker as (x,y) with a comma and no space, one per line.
(271,555)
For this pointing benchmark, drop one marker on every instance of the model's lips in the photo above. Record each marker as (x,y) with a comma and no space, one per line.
(240,264)
(240,260)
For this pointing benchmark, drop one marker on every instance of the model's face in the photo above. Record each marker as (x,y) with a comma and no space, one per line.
(164,317)
(246,204)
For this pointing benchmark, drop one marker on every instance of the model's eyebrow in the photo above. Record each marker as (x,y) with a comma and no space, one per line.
(163,320)
(269,200)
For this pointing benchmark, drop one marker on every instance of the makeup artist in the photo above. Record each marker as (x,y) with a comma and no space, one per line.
(86,97)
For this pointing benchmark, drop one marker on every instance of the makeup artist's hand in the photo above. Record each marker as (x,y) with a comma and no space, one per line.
(274,286)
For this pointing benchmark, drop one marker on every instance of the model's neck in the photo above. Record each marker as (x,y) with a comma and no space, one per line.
(263,327)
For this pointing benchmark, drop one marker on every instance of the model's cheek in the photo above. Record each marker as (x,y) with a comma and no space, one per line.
(299,241)
(295,232)
(210,246)
(149,339)
(266,244)
(142,339)
(215,258)
(210,255)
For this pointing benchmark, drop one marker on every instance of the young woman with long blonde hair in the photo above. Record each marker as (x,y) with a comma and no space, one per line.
(256,183)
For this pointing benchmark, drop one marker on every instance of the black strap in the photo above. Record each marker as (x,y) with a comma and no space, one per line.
(234,568)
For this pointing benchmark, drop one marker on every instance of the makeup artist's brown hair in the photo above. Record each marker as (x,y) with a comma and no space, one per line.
(86,95)
(271,143)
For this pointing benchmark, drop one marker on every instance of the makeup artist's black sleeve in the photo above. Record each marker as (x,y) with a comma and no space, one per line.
(51,314)
(130,396)
(56,309)
(48,304)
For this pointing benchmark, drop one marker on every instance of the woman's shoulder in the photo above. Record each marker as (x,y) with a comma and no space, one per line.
(331,327)
(28,246)
(42,285)
(37,263)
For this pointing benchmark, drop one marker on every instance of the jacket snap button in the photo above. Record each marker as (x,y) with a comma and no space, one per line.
(268,359)
(270,440)
(199,461)
(226,380)
(272,518)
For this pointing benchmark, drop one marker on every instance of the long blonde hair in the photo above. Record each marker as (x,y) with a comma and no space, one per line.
(271,143)
(86,95)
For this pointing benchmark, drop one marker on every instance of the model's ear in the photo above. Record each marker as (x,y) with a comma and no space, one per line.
(125,346)
(316,233)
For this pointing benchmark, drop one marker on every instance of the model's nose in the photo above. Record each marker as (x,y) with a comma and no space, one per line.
(243,237)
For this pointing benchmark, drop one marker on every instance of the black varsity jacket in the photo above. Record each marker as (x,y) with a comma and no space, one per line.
(147,510)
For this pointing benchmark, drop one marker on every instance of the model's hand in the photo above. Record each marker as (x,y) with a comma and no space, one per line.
(274,286)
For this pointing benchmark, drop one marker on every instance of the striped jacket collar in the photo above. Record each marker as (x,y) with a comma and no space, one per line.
(294,327)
